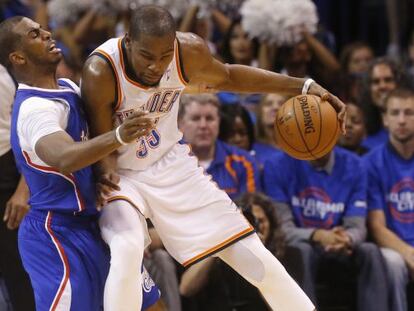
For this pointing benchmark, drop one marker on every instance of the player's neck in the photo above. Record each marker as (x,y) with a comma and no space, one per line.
(404,149)
(39,79)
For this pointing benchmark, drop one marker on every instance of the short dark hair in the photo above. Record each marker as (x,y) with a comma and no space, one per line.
(151,20)
(9,40)
(402,93)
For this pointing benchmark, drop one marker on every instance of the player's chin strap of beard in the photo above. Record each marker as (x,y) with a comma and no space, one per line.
(306,86)
(257,265)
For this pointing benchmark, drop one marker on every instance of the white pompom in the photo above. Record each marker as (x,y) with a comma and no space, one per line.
(279,21)
(64,12)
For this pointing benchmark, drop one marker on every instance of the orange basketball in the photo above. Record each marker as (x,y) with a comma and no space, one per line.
(306,128)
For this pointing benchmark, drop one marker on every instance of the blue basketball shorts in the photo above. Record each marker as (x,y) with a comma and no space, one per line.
(66,259)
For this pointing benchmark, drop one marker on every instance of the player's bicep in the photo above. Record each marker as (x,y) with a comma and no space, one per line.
(98,93)
(50,148)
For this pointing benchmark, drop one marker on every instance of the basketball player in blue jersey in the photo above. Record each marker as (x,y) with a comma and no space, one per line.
(59,239)
(391,194)
(148,69)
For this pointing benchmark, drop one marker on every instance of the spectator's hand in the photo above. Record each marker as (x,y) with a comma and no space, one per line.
(340,107)
(343,244)
(324,237)
(16,208)
(107,183)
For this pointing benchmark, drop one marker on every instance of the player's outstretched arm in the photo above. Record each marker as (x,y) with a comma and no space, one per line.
(204,72)
(60,151)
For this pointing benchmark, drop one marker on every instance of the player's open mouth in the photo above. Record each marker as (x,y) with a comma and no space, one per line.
(54,49)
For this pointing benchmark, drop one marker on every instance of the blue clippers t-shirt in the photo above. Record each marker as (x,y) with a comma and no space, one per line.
(318,199)
(391,189)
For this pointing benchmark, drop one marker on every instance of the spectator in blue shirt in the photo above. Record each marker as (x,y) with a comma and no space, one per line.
(237,129)
(391,194)
(383,77)
(322,205)
(232,168)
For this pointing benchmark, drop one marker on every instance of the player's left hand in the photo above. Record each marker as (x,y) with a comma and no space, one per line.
(340,107)
(16,209)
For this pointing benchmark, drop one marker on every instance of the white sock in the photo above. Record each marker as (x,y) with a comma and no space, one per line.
(258,266)
(123,231)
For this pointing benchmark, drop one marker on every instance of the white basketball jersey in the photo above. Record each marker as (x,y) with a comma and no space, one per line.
(161,101)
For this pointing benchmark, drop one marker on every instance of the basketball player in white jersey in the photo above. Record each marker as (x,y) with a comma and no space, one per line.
(148,69)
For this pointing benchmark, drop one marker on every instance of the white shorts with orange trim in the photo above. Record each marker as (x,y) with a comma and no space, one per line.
(192,216)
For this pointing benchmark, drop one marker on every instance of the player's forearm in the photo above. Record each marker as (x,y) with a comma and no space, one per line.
(81,154)
(245,79)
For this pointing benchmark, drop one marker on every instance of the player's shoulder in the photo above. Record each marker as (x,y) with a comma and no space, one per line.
(191,45)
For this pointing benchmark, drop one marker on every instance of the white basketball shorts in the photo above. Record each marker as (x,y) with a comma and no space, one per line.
(192,216)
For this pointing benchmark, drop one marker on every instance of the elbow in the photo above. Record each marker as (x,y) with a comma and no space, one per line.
(65,167)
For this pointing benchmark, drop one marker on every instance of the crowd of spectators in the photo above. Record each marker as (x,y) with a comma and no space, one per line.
(350,213)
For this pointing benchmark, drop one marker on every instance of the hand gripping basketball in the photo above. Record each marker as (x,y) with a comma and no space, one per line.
(306,127)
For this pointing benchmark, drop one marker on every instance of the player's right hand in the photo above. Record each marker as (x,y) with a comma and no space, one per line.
(136,125)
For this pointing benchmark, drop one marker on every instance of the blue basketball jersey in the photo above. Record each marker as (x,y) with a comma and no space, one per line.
(50,190)
(318,199)
(391,189)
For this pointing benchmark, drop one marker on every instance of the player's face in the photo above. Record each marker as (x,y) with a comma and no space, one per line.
(399,119)
(382,82)
(355,127)
(37,46)
(241,47)
(262,222)
(271,105)
(360,60)
(150,56)
(200,125)
(239,137)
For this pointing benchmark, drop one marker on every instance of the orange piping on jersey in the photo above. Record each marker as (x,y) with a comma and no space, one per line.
(124,198)
(118,84)
(121,54)
(251,185)
(178,63)
(228,167)
(218,246)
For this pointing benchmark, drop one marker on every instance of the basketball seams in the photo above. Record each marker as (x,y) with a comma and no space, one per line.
(332,138)
(281,133)
(320,122)
(286,135)
(300,131)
